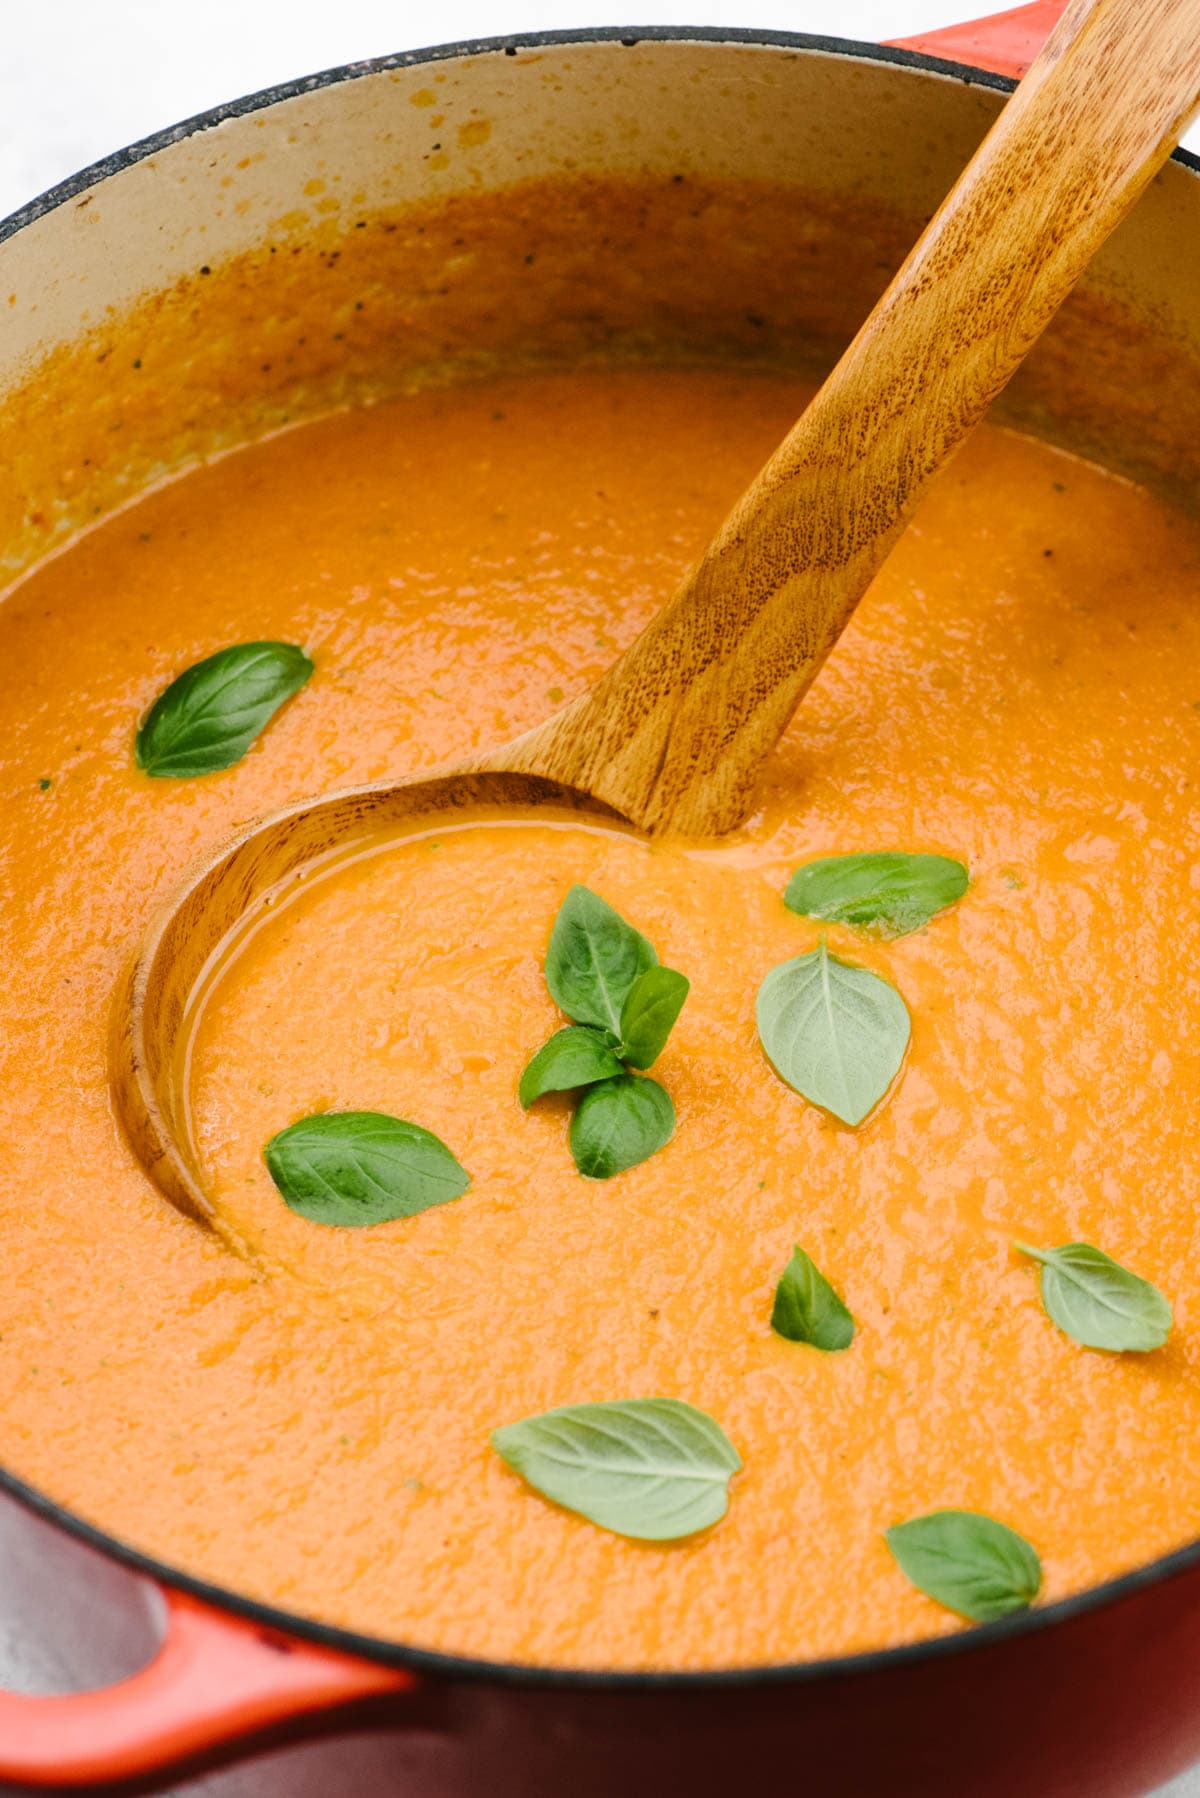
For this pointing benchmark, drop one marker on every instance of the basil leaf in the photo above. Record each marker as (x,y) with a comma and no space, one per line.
(968,1562)
(619,1123)
(576,1056)
(652,1004)
(362,1167)
(807,1309)
(888,894)
(834,1032)
(209,715)
(652,1468)
(593,959)
(1099,1303)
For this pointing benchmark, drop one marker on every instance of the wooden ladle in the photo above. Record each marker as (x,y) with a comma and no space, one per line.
(673,735)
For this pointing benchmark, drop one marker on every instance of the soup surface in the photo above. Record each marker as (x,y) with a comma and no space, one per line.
(1020,690)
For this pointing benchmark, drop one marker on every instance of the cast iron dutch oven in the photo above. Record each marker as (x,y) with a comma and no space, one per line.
(1094,1697)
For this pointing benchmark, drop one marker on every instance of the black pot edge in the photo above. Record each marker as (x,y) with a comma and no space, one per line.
(627,35)
(460,1667)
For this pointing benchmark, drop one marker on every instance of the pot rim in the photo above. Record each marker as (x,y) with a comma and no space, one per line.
(973,1639)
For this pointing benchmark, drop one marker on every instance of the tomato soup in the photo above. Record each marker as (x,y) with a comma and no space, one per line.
(309,1421)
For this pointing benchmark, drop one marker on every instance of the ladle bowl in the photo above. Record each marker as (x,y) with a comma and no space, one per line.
(194,936)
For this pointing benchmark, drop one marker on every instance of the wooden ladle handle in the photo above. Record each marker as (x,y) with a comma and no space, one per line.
(675,733)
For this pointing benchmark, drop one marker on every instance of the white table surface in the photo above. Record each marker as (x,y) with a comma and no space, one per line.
(79,78)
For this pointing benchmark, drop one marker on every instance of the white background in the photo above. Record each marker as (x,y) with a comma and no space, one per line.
(79,78)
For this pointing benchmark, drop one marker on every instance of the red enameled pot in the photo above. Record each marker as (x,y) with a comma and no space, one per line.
(1095,1697)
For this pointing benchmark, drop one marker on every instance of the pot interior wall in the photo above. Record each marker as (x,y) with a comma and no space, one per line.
(681,198)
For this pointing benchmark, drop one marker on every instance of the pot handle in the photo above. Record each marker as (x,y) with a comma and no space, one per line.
(216,1680)
(1006,43)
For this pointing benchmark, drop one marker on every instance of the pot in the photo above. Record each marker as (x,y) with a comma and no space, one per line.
(1097,1696)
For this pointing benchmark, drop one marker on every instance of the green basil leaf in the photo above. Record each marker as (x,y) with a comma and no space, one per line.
(652,1468)
(834,1032)
(576,1056)
(619,1123)
(652,1004)
(968,1562)
(1099,1303)
(807,1309)
(593,959)
(209,715)
(887,894)
(362,1167)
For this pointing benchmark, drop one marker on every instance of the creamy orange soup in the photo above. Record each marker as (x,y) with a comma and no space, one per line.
(310,1424)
